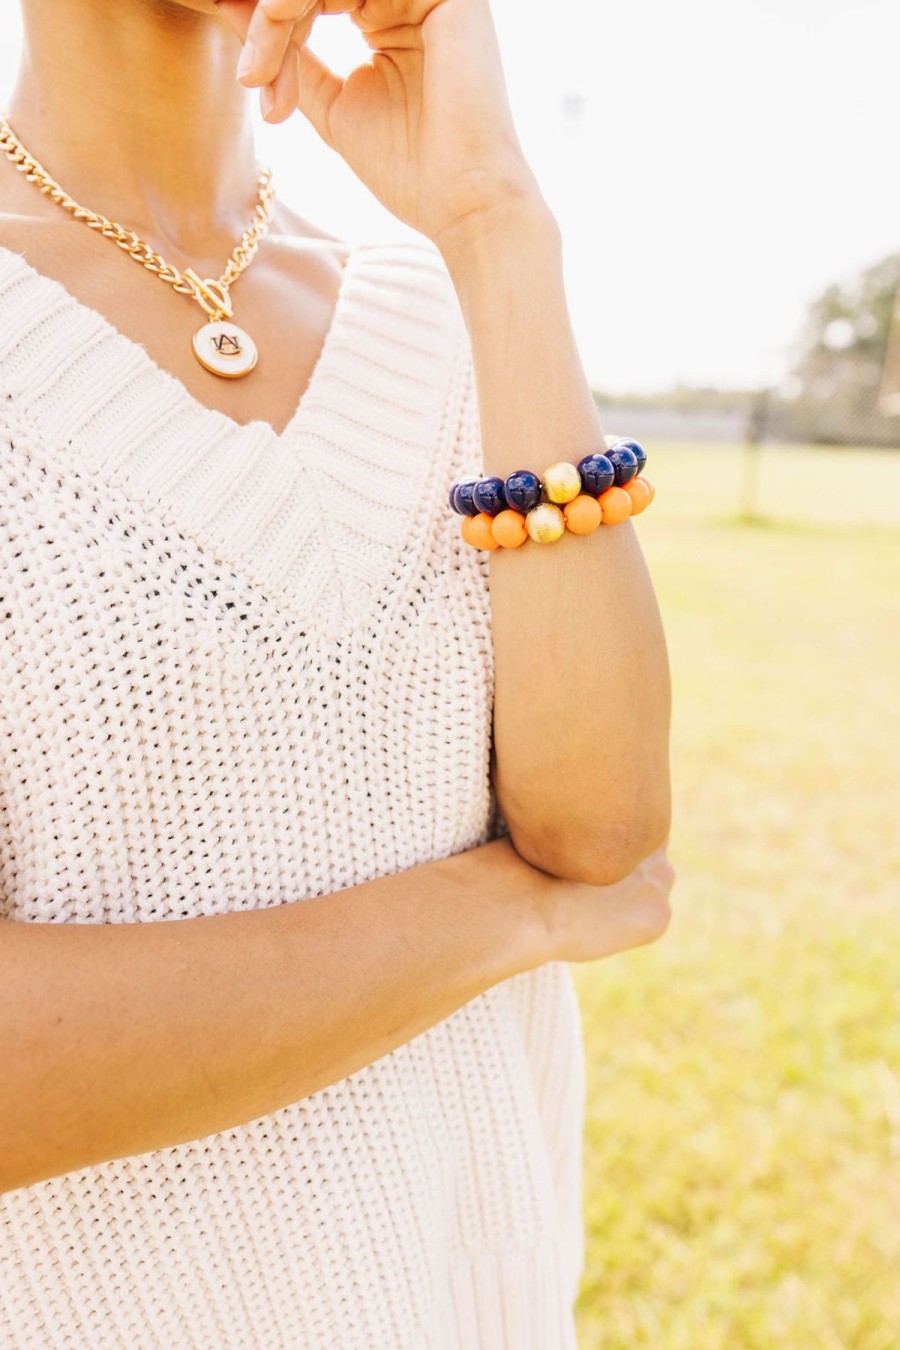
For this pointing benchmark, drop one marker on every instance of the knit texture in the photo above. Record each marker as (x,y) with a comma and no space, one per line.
(239,669)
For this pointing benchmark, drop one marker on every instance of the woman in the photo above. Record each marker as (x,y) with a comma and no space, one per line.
(290,1046)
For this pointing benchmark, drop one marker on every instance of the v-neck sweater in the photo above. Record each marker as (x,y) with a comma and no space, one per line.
(242,668)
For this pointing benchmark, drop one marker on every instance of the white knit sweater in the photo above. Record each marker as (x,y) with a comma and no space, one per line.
(238,669)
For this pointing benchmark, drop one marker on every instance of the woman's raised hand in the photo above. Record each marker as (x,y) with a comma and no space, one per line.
(425,123)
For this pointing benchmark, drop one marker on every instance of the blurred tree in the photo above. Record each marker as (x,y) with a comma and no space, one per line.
(842,352)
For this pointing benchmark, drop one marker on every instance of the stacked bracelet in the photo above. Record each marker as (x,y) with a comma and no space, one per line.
(602,489)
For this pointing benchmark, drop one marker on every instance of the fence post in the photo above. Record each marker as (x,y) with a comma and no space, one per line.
(757,422)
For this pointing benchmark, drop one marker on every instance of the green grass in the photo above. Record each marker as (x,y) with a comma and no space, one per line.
(743,1131)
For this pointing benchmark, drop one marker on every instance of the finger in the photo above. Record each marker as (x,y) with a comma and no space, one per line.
(238,13)
(303,28)
(279,99)
(406,37)
(319,87)
(383,15)
(266,43)
(287,10)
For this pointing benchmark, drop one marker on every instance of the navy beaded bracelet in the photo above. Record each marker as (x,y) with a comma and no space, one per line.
(603,488)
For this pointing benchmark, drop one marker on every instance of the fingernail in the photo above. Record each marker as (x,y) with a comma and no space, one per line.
(248,56)
(266,100)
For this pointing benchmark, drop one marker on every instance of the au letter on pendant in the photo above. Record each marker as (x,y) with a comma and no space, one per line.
(225,349)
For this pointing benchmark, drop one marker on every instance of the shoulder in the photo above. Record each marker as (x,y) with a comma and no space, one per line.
(25,235)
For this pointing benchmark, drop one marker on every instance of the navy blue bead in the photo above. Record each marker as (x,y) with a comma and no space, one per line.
(597,474)
(636,449)
(464,494)
(451,498)
(523,490)
(489,496)
(625,463)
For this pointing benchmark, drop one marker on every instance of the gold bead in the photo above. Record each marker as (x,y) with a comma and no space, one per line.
(561,482)
(545,523)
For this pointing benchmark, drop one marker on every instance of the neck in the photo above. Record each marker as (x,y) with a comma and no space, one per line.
(133,108)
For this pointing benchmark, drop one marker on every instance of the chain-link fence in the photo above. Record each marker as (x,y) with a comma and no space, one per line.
(841,407)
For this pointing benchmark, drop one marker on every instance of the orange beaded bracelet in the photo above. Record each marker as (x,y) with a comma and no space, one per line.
(602,489)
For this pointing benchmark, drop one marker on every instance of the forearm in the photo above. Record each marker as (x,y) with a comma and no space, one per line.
(120,1038)
(582,689)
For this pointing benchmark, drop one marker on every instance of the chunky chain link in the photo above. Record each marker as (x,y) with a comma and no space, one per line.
(211,295)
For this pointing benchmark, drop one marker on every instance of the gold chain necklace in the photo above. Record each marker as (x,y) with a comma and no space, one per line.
(222,347)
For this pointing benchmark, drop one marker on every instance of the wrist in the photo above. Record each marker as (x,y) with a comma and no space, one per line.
(516,906)
(534,894)
(471,247)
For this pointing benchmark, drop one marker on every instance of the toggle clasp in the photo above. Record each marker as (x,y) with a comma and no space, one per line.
(208,293)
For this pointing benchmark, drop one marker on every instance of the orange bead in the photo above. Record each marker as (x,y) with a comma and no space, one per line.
(640,493)
(650,486)
(508,528)
(464,530)
(615,504)
(583,514)
(479,532)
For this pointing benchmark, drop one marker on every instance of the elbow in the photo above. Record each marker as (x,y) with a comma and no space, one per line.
(597,854)
(614,854)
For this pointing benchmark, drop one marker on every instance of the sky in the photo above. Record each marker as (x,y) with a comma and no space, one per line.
(712,167)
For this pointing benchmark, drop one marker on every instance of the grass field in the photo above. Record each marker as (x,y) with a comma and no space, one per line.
(743,1131)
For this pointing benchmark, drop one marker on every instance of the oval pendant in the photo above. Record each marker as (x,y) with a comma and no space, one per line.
(225,349)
